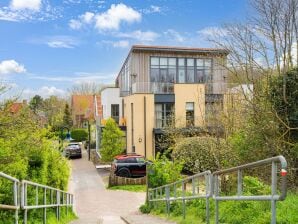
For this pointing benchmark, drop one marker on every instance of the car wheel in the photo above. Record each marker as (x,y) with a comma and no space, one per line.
(124,173)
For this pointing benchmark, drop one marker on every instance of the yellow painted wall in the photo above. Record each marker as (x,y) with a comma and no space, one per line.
(189,93)
(139,124)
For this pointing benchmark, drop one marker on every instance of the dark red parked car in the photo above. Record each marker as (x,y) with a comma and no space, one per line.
(130,165)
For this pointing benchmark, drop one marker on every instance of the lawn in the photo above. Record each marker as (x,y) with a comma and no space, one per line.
(134,188)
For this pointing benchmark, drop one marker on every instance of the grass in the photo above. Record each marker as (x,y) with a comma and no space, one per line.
(134,188)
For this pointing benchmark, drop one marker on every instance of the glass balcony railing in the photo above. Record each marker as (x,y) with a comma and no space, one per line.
(152,87)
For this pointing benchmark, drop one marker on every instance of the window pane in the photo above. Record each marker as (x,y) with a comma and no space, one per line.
(163,61)
(154,61)
(200,76)
(208,63)
(181,76)
(163,75)
(200,62)
(190,62)
(190,75)
(181,61)
(172,75)
(154,75)
(189,106)
(172,61)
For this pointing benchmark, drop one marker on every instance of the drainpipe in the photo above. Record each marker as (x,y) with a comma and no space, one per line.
(145,127)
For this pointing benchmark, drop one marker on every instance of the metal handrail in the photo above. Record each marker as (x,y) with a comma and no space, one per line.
(15,189)
(55,199)
(58,198)
(273,197)
(156,194)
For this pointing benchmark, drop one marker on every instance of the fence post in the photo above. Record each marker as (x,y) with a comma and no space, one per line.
(167,200)
(208,191)
(273,191)
(15,200)
(183,200)
(216,188)
(45,209)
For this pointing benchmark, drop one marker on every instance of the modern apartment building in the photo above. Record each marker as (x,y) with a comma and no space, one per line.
(168,86)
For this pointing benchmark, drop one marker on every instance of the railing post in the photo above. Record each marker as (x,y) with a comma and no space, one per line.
(167,200)
(273,191)
(24,201)
(216,189)
(239,182)
(183,199)
(208,191)
(15,200)
(45,203)
(57,204)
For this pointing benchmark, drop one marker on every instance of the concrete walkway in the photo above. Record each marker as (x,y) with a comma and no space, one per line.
(94,204)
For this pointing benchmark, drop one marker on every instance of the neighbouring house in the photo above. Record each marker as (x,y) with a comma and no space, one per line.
(168,86)
(17,106)
(83,108)
(111,104)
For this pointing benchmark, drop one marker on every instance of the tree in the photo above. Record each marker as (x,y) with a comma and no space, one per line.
(79,134)
(112,143)
(67,120)
(86,88)
(36,103)
(53,107)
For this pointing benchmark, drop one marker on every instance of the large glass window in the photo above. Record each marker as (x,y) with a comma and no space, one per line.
(164,113)
(190,70)
(190,114)
(165,71)
(115,112)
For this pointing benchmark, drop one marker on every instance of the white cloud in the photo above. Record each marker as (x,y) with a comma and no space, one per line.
(108,20)
(25,4)
(75,24)
(152,9)
(113,17)
(11,67)
(116,44)
(174,35)
(57,41)
(29,10)
(143,36)
(44,91)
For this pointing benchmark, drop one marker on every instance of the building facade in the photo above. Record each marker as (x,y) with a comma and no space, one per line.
(168,86)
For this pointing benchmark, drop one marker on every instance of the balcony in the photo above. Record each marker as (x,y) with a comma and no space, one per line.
(152,87)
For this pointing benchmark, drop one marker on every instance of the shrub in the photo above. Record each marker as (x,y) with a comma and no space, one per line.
(145,208)
(164,171)
(79,134)
(203,153)
(112,143)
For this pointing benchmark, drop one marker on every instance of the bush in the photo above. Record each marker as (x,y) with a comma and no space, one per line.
(112,143)
(163,171)
(203,153)
(79,134)
(146,208)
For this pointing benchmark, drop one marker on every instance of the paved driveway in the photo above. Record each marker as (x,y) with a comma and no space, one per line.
(95,204)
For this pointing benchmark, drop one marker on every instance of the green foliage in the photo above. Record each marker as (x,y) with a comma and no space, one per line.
(164,171)
(112,143)
(79,134)
(36,103)
(67,120)
(203,153)
(145,208)
(283,96)
(27,153)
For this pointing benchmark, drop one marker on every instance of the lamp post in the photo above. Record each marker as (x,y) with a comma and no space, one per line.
(89,139)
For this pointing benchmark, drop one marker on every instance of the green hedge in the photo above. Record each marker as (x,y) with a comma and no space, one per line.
(79,134)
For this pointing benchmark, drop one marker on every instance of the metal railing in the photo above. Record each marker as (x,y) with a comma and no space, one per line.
(212,188)
(172,192)
(15,189)
(38,197)
(273,197)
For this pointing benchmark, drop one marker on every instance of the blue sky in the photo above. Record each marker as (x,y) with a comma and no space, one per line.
(46,46)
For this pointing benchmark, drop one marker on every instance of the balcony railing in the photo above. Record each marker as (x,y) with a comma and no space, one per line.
(152,87)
